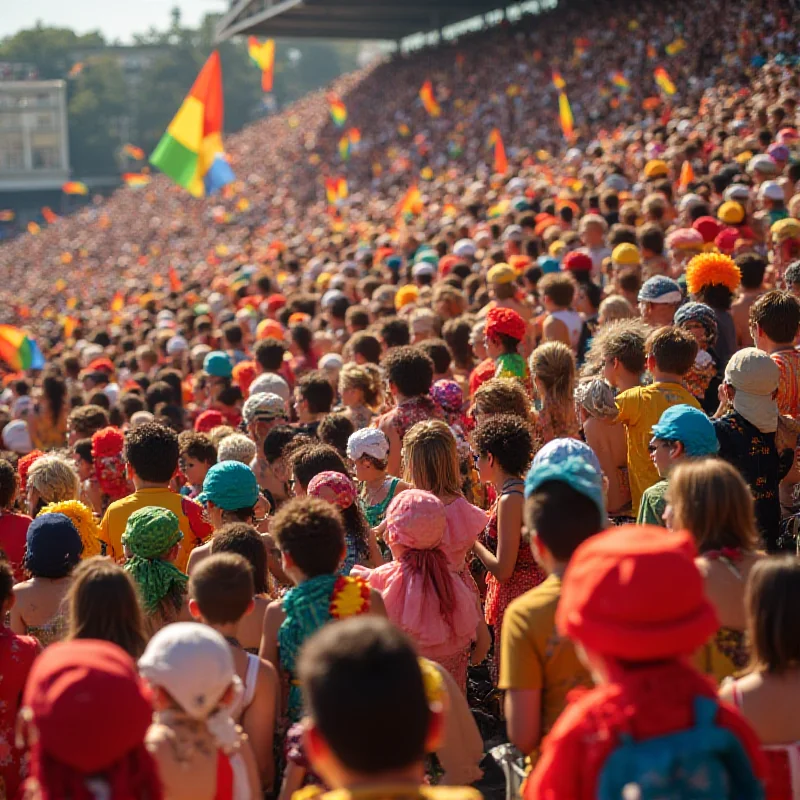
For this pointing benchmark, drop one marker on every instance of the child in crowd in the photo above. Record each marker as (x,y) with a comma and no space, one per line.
(152,542)
(151,456)
(703,378)
(17,654)
(539,667)
(505,330)
(766,694)
(246,541)
(90,492)
(310,535)
(52,550)
(360,544)
(652,722)
(103,604)
(368,450)
(670,354)
(79,748)
(562,323)
(422,593)
(775,324)
(196,456)
(13,526)
(109,466)
(553,372)
(710,500)
(371,720)
(84,521)
(504,449)
(200,753)
(682,433)
(308,460)
(221,595)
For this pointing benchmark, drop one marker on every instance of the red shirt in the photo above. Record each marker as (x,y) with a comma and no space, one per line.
(13,531)
(645,703)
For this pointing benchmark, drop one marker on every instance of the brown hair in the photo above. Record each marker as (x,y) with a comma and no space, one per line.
(622,339)
(367,378)
(673,348)
(222,587)
(771,601)
(197,446)
(559,288)
(711,500)
(554,366)
(103,604)
(777,313)
(431,458)
(501,396)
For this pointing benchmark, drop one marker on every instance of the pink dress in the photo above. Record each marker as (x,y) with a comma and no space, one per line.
(465,523)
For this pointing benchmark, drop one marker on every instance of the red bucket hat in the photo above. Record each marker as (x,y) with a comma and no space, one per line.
(620,600)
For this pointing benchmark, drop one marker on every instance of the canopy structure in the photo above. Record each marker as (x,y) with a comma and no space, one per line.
(346,19)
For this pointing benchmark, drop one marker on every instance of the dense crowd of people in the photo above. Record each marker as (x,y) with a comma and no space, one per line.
(318,496)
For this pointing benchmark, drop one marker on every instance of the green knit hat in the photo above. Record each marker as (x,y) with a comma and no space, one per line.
(150,534)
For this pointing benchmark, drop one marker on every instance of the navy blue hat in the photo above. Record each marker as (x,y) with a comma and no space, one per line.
(53,546)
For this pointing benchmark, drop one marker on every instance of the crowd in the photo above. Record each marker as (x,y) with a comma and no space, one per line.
(317,497)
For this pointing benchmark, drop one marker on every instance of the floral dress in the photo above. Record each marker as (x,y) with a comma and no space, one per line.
(554,423)
(408,413)
(527,574)
(17,654)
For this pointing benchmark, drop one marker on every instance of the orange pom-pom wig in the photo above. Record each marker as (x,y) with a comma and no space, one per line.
(712,269)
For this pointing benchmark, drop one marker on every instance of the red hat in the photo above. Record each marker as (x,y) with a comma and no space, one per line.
(244,373)
(109,464)
(208,420)
(485,371)
(708,227)
(71,689)
(101,365)
(505,322)
(578,262)
(446,263)
(24,463)
(619,597)
(520,262)
(275,302)
(726,240)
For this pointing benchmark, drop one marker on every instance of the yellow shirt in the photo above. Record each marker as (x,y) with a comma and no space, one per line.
(533,655)
(116,518)
(640,409)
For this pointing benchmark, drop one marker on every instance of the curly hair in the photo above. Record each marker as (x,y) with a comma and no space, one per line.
(54,479)
(622,339)
(501,396)
(409,369)
(152,451)
(508,439)
(365,377)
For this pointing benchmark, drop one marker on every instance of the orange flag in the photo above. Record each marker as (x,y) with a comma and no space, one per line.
(49,215)
(175,283)
(500,159)
(428,98)
(118,302)
(687,175)
(411,202)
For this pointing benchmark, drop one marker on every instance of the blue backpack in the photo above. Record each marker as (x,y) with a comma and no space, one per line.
(704,762)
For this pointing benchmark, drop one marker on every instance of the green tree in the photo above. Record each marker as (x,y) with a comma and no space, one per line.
(51,49)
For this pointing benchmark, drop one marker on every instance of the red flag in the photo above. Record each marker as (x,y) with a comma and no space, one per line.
(49,215)
(175,283)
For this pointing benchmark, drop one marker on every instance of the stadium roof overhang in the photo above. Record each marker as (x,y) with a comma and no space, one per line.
(346,19)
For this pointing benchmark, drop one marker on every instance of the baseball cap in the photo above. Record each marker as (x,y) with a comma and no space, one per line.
(270,383)
(263,407)
(501,273)
(576,472)
(217,364)
(763,164)
(690,426)
(230,485)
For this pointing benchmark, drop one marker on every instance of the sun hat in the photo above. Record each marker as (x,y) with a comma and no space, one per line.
(618,597)
(738,192)
(785,229)
(150,533)
(660,289)
(193,664)
(263,407)
(755,377)
(270,383)
(218,365)
(230,486)
(708,228)
(177,344)
(368,442)
(465,248)
(689,201)
(501,273)
(333,487)
(684,239)
(415,519)
(762,163)
(558,450)
(423,270)
(67,695)
(548,264)
(689,426)
(208,420)
(505,321)
(83,519)
(575,471)
(655,168)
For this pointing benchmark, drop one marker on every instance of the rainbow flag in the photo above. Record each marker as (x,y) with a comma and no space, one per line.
(565,116)
(135,179)
(134,152)
(355,136)
(411,204)
(500,159)
(191,150)
(558,81)
(18,350)
(620,81)
(342,190)
(331,191)
(664,81)
(338,110)
(75,187)
(263,55)
(344,148)
(428,99)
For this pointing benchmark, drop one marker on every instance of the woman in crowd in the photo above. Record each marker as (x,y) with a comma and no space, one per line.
(48,426)
(553,371)
(360,393)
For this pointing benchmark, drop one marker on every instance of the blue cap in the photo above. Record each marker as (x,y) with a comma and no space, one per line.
(548,264)
(217,364)
(558,450)
(576,472)
(660,289)
(689,426)
(230,485)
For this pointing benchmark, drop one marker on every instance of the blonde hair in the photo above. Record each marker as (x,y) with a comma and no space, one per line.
(366,378)
(431,458)
(711,500)
(54,479)
(614,308)
(553,364)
